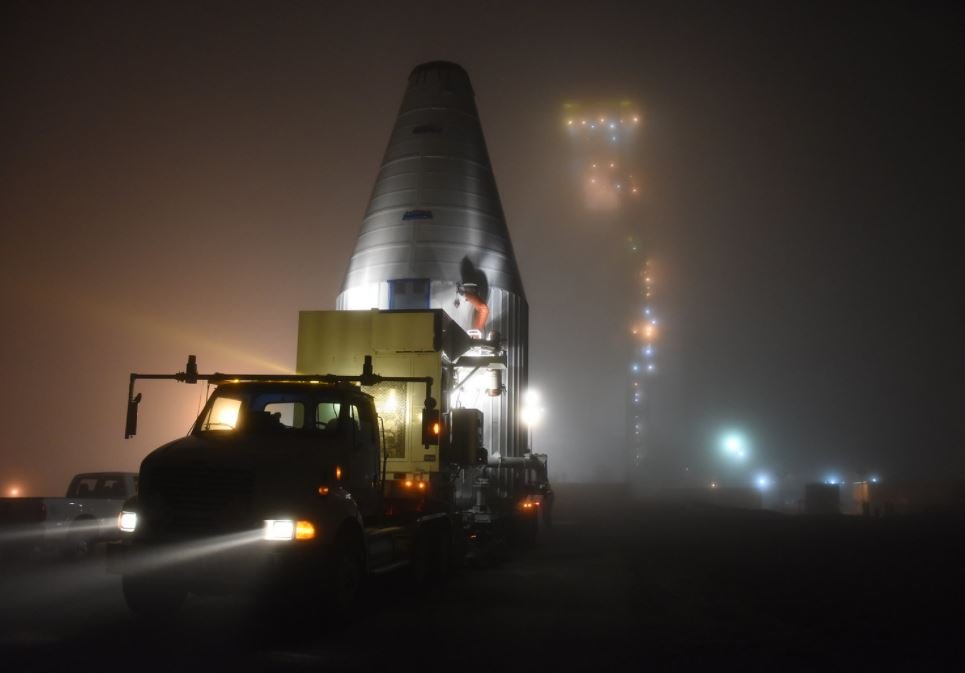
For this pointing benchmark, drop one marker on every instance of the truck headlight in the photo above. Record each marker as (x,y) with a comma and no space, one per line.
(286,529)
(127,521)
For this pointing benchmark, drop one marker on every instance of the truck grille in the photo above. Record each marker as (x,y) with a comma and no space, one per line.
(201,500)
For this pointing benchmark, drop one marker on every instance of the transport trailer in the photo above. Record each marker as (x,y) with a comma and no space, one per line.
(313,481)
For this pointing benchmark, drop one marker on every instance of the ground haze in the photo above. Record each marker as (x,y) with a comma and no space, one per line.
(615,582)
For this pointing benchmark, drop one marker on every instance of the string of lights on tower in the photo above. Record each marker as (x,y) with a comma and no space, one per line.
(603,139)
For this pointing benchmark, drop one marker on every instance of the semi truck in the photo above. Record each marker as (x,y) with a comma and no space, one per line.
(368,460)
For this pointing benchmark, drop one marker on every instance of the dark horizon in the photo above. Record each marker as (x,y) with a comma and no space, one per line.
(184,179)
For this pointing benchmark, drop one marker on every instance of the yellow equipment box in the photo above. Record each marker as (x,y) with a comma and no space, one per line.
(401,343)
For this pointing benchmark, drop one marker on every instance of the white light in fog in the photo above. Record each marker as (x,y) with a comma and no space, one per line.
(735,446)
(532,412)
(279,529)
(127,521)
(391,402)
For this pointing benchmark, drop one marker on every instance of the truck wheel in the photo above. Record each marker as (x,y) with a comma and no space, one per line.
(346,576)
(77,548)
(442,559)
(152,599)
(432,556)
(458,551)
(80,543)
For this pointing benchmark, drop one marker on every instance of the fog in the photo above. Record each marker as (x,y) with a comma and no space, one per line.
(177,180)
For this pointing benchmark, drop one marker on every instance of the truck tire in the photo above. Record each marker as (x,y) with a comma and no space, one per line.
(79,543)
(151,598)
(420,563)
(345,576)
(432,556)
(458,550)
(442,555)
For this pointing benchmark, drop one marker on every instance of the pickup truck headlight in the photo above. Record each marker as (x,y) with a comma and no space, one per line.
(127,521)
(287,529)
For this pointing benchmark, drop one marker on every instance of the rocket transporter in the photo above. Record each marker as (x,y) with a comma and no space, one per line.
(399,442)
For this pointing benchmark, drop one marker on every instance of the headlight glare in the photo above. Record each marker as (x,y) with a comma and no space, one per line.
(127,521)
(279,529)
(287,529)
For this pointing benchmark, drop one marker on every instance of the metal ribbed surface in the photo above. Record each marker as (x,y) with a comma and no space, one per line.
(435,211)
(511,319)
(436,161)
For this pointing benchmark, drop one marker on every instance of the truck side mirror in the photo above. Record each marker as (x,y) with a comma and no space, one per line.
(431,427)
(130,427)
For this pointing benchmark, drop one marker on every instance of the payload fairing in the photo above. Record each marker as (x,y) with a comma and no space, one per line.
(434,236)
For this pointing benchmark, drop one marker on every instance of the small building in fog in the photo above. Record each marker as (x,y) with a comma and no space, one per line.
(908,497)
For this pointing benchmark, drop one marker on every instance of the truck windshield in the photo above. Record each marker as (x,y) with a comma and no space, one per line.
(223,414)
(261,411)
(97,486)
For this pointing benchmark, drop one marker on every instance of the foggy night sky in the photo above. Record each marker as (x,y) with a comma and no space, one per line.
(180,180)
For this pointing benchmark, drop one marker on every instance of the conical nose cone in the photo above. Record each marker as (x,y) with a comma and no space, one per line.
(435,205)
(439,84)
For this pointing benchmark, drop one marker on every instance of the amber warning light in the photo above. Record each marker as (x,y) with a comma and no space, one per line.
(431,426)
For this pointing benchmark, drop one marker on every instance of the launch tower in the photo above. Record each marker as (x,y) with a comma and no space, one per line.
(604,159)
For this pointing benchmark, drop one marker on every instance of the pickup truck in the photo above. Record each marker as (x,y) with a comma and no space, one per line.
(70,525)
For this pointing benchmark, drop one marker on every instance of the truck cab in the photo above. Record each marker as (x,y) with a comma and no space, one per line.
(278,482)
(265,451)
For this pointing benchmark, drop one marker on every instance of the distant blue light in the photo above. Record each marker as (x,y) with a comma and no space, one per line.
(646,311)
(635,366)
